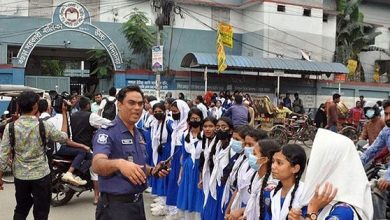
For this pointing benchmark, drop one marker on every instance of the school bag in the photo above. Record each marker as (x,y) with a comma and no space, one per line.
(109,110)
(48,146)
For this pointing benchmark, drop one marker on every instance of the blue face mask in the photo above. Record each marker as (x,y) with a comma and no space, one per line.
(253,162)
(236,146)
(248,151)
(370,113)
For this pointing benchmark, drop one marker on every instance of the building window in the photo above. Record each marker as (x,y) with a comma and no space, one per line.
(219,15)
(325,18)
(281,8)
(307,12)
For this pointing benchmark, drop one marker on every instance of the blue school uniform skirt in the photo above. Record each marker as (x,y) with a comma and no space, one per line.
(173,176)
(190,197)
(159,185)
(209,211)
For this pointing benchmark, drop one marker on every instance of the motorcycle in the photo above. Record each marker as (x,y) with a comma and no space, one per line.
(63,192)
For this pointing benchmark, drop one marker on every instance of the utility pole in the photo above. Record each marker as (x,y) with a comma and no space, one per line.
(158,74)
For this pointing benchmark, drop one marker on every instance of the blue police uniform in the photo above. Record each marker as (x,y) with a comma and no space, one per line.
(120,199)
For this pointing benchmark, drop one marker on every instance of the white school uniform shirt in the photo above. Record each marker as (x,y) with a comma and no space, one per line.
(206,170)
(252,209)
(221,160)
(280,212)
(245,174)
(231,179)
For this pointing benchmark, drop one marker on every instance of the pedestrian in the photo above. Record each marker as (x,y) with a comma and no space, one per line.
(29,161)
(120,161)
(220,163)
(83,125)
(334,165)
(261,162)
(320,117)
(199,103)
(251,113)
(216,110)
(108,106)
(287,101)
(96,104)
(356,113)
(288,166)
(190,197)
(238,113)
(161,132)
(362,101)
(331,113)
(297,105)
(180,111)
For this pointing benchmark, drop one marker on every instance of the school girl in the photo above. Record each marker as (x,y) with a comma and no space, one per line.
(288,166)
(161,131)
(179,111)
(261,161)
(189,196)
(220,162)
(334,160)
(240,177)
(208,141)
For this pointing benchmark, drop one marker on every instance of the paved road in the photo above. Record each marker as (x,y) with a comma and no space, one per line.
(80,208)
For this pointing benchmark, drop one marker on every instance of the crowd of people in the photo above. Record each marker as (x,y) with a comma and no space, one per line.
(200,159)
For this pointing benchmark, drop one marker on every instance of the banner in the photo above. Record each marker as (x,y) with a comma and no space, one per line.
(221,56)
(157,58)
(226,33)
(352,65)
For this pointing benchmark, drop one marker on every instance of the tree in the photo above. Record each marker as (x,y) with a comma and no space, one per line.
(352,35)
(52,68)
(100,62)
(139,35)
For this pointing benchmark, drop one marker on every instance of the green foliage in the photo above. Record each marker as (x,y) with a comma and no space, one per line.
(350,36)
(52,68)
(102,63)
(138,34)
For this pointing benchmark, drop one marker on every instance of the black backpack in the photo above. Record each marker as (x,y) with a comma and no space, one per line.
(109,110)
(47,146)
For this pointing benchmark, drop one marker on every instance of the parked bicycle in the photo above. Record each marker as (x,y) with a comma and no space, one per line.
(352,131)
(297,130)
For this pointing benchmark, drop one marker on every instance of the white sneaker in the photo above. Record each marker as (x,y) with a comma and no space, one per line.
(75,180)
(154,204)
(156,208)
(160,211)
(148,190)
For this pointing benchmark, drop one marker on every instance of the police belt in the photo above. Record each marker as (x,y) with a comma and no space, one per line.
(122,198)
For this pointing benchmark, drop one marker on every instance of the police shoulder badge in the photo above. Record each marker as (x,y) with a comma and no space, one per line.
(102,139)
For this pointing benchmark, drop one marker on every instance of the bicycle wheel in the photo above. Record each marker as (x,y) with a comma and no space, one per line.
(310,133)
(8,176)
(350,132)
(279,134)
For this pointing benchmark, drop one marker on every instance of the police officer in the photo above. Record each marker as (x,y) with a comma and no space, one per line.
(120,161)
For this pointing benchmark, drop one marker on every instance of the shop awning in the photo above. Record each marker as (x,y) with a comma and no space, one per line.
(260,64)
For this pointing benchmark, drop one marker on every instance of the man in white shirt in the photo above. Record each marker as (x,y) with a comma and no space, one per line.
(111,98)
(96,105)
(199,104)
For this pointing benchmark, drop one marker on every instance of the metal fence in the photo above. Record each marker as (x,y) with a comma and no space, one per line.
(59,84)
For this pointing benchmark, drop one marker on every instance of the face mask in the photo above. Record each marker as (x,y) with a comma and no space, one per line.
(370,113)
(253,162)
(248,151)
(195,124)
(236,146)
(176,116)
(223,135)
(159,116)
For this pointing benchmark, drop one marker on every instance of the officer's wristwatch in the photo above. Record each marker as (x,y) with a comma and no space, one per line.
(312,216)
